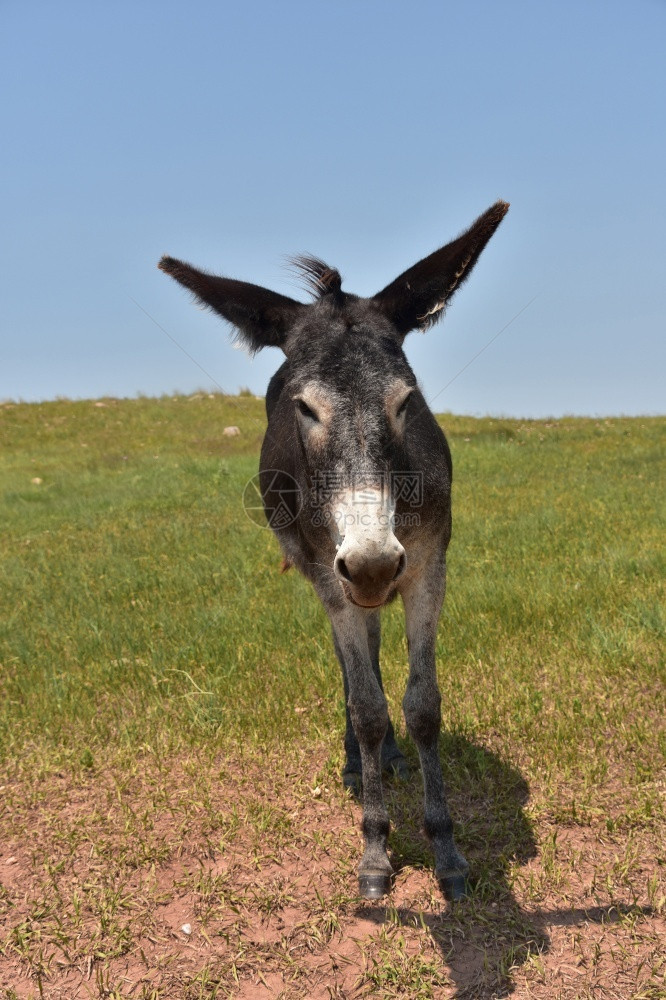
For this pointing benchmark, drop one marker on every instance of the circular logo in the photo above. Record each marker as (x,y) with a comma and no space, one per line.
(284,500)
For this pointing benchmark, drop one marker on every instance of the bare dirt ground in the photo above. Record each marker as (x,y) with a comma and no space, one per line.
(197,878)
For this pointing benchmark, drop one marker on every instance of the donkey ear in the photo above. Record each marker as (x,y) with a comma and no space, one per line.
(262,318)
(419,296)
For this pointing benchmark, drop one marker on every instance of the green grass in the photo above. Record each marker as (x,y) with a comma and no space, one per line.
(139,602)
(143,618)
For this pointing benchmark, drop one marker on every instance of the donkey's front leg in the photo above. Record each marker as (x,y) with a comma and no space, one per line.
(421,704)
(393,761)
(369,717)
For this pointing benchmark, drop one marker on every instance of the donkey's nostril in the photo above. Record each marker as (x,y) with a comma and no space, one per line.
(402,562)
(341,567)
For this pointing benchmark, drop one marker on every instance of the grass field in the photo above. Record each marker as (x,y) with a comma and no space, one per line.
(171,718)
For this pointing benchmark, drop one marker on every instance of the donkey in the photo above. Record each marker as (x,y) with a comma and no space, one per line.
(361,474)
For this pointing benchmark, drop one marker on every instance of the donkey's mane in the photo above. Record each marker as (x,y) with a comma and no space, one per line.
(318,277)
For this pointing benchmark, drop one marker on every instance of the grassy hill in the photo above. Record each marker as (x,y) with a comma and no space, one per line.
(152,658)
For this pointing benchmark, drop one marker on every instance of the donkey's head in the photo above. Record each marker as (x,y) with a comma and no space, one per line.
(349,395)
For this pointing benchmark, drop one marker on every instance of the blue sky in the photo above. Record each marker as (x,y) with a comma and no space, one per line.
(366,132)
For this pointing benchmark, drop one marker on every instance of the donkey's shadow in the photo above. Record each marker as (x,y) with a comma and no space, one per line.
(485,936)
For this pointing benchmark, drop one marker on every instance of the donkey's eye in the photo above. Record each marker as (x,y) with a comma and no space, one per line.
(402,409)
(305,410)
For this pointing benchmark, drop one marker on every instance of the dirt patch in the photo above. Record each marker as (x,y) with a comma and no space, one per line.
(228,878)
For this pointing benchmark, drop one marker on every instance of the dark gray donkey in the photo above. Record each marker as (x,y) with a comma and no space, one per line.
(356,480)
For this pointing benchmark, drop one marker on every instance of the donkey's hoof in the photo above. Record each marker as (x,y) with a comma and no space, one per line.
(374,886)
(353,782)
(454,887)
(397,768)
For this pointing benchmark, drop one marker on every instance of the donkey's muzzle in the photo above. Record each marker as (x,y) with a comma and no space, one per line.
(367,577)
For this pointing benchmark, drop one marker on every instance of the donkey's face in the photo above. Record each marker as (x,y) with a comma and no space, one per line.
(348,388)
(345,403)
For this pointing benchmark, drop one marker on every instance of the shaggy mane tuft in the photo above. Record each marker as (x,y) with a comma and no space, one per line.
(318,277)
